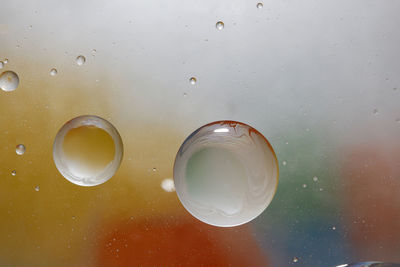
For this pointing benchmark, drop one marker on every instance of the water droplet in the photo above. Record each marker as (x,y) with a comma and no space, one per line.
(5,60)
(225,173)
(220,25)
(13,172)
(37,188)
(9,81)
(193,80)
(375,111)
(304,185)
(260,5)
(53,72)
(284,163)
(295,259)
(168,185)
(315,178)
(87,150)
(80,60)
(1,64)
(20,149)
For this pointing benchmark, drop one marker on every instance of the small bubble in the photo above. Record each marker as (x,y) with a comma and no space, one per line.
(315,178)
(1,64)
(295,259)
(260,5)
(287,143)
(154,169)
(321,189)
(398,120)
(37,188)
(80,60)
(184,95)
(53,72)
(13,172)
(394,88)
(304,185)
(220,25)
(307,129)
(20,149)
(168,185)
(94,51)
(193,80)
(284,163)
(333,227)
(375,111)
(5,60)
(73,217)
(9,81)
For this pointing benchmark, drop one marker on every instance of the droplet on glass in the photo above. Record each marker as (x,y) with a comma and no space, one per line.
(9,81)
(37,188)
(80,60)
(260,5)
(226,173)
(13,172)
(53,72)
(20,149)
(220,25)
(295,259)
(168,185)
(87,150)
(193,80)
(315,178)
(284,163)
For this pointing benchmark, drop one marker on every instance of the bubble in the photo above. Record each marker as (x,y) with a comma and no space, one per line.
(53,72)
(220,25)
(37,188)
(80,60)
(9,81)
(184,95)
(226,173)
(284,163)
(398,120)
(20,149)
(260,5)
(375,111)
(5,60)
(87,150)
(193,80)
(304,185)
(154,169)
(333,227)
(168,185)
(13,172)
(295,259)
(315,178)
(1,64)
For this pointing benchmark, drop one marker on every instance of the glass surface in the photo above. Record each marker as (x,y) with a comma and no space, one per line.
(319,79)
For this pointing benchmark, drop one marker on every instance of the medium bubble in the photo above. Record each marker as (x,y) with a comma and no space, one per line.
(220,25)
(168,185)
(87,150)
(13,172)
(193,80)
(226,173)
(9,81)
(53,72)
(80,60)
(20,149)
(260,5)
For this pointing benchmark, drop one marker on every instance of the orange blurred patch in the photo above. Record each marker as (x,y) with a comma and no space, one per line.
(177,242)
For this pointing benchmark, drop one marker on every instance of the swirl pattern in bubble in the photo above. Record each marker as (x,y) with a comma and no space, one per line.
(226,173)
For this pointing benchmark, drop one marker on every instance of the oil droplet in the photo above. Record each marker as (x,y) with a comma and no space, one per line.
(260,5)
(193,80)
(226,173)
(295,259)
(13,172)
(315,178)
(5,60)
(168,185)
(1,64)
(53,72)
(20,149)
(9,81)
(37,188)
(87,150)
(220,25)
(80,60)
(284,163)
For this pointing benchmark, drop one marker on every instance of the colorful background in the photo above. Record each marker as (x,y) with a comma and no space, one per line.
(320,79)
